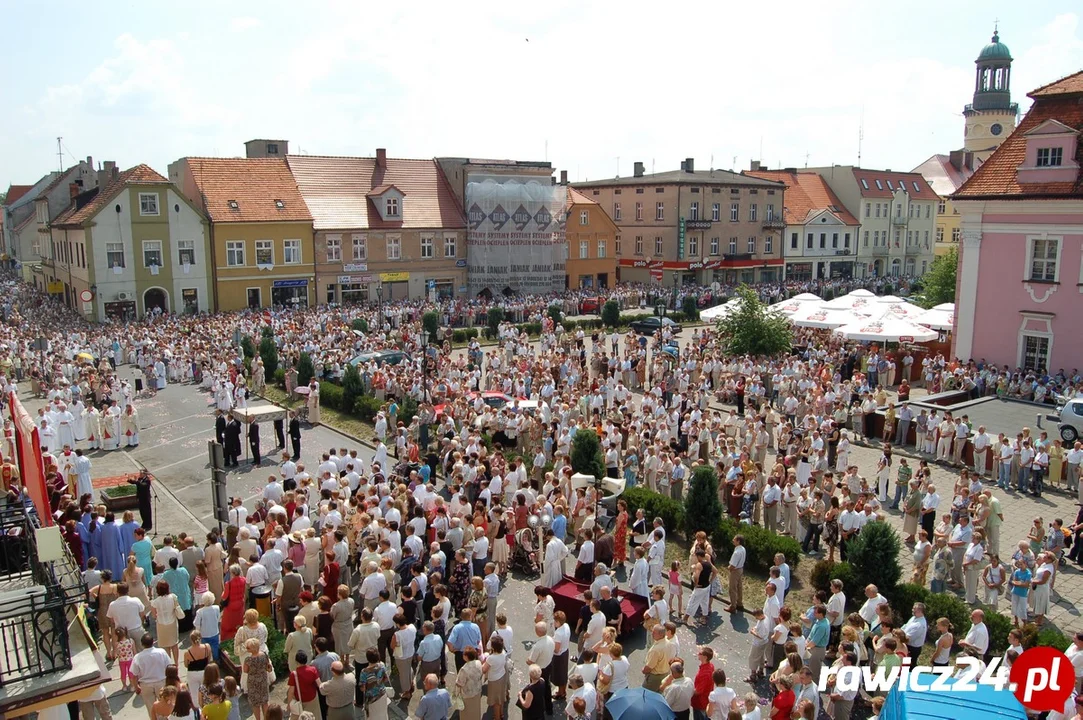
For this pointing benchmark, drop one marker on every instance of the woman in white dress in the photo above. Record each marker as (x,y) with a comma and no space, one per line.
(1043,578)
(842,455)
(543,610)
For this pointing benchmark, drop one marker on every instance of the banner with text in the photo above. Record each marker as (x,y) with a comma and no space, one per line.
(515,235)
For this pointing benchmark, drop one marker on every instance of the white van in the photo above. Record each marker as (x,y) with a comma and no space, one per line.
(1071,420)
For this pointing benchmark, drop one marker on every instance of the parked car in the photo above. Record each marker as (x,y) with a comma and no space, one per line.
(1071,420)
(650,325)
(381,357)
(590,306)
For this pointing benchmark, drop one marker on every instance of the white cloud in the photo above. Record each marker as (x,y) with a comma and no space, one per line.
(243,23)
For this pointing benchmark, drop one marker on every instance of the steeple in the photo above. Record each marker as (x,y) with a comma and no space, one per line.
(991,116)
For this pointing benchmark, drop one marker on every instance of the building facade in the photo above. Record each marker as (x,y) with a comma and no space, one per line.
(897,212)
(591,236)
(131,247)
(20,224)
(700,227)
(1020,283)
(385,228)
(946,174)
(992,115)
(55,198)
(820,238)
(261,249)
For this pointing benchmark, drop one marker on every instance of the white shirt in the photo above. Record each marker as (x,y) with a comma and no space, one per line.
(916,628)
(737,559)
(541,652)
(868,610)
(978,638)
(594,630)
(1076,656)
(124,612)
(586,553)
(837,604)
(149,665)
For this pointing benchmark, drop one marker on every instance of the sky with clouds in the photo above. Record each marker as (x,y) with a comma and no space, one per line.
(589,86)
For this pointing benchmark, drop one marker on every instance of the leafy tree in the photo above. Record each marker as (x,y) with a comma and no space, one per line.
(352,386)
(268,351)
(611,313)
(752,329)
(938,285)
(305,370)
(702,508)
(555,313)
(689,307)
(267,332)
(493,320)
(431,322)
(587,454)
(248,347)
(874,555)
(360,324)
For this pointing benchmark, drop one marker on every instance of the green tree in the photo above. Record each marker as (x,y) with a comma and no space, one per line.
(754,330)
(938,285)
(554,313)
(874,556)
(268,351)
(611,313)
(305,370)
(360,324)
(493,319)
(267,332)
(702,508)
(431,322)
(689,308)
(248,347)
(587,453)
(352,386)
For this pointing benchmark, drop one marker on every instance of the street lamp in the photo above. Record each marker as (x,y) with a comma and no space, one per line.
(380,306)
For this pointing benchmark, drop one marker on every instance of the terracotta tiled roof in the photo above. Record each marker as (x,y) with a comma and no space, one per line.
(338,189)
(997,176)
(682,177)
(1070,85)
(869,189)
(577,198)
(380,190)
(15,192)
(807,195)
(138,175)
(256,185)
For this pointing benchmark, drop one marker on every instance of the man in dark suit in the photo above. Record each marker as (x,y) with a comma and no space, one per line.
(295,435)
(280,434)
(253,441)
(232,444)
(220,427)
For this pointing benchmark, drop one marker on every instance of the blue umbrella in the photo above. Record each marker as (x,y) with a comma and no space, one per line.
(638,704)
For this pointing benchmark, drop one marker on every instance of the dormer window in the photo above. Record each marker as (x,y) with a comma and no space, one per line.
(233,205)
(889,185)
(879,185)
(1050,157)
(392,207)
(281,205)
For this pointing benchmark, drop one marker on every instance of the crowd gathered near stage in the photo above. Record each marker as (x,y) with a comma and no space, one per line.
(386,575)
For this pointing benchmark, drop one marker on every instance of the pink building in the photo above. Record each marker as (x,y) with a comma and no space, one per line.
(1019,299)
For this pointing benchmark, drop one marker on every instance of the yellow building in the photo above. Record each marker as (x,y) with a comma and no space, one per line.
(261,230)
(946,174)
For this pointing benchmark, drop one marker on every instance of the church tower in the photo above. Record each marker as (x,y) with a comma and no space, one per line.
(992,115)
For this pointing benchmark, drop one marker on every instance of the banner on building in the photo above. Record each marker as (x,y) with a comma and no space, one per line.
(515,236)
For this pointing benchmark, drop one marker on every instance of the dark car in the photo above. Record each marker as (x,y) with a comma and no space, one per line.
(381,357)
(650,325)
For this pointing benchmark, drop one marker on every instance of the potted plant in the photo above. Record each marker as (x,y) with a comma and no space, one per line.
(119,498)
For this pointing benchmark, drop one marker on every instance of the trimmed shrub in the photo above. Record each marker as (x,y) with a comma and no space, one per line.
(874,555)
(611,313)
(332,396)
(471,333)
(587,454)
(366,407)
(360,324)
(276,648)
(493,318)
(829,294)
(458,336)
(654,505)
(903,597)
(702,508)
(305,369)
(761,545)
(554,312)
(1033,636)
(999,626)
(431,322)
(267,332)
(248,347)
(268,351)
(352,386)
(677,316)
(947,605)
(688,307)
(823,572)
(280,377)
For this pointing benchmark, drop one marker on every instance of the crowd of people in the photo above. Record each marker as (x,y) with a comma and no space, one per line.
(385,575)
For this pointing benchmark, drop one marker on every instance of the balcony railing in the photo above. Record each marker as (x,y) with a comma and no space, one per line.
(899,219)
(774,221)
(879,250)
(914,249)
(35,598)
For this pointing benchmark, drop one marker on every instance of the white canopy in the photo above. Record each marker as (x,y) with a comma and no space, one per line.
(260,413)
(941,317)
(858,299)
(814,315)
(788,307)
(889,327)
(902,308)
(713,313)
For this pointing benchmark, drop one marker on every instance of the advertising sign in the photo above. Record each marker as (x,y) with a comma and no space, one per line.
(680,239)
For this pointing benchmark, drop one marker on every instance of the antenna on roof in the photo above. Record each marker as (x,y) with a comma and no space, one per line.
(547,150)
(712,163)
(760,156)
(60,154)
(734,165)
(806,159)
(860,135)
(618,166)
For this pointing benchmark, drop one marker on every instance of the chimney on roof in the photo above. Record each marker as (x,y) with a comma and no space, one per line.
(563,177)
(637,169)
(755,166)
(381,157)
(73,190)
(108,173)
(955,158)
(968,160)
(689,164)
(552,180)
(791,171)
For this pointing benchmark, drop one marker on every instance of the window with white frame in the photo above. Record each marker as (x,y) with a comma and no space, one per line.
(1035,352)
(114,254)
(956,234)
(733,246)
(152,253)
(186,252)
(715,243)
(639,211)
(1050,156)
(584,217)
(941,206)
(234,253)
(928,211)
(265,252)
(394,247)
(392,207)
(639,244)
(584,249)
(866,239)
(291,251)
(450,245)
(334,248)
(835,240)
(926,239)
(810,241)
(693,246)
(659,211)
(616,212)
(601,248)
(794,240)
(768,244)
(1043,259)
(735,212)
(940,233)
(360,247)
(658,245)
(148,203)
(716,212)
(426,246)
(617,246)
(752,212)
(823,241)
(693,211)
(868,209)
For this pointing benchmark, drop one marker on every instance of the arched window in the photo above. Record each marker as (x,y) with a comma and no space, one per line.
(895,266)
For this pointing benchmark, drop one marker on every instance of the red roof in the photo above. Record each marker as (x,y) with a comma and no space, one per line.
(262,189)
(577,198)
(997,176)
(15,192)
(807,195)
(338,191)
(380,190)
(138,175)
(912,183)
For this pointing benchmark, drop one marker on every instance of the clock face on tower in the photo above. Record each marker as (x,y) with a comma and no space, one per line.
(996,129)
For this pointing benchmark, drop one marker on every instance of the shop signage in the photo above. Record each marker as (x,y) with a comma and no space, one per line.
(460,263)
(55,288)
(289,283)
(390,277)
(698,224)
(355,267)
(680,239)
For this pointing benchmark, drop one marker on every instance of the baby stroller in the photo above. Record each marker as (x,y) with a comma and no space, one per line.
(524,556)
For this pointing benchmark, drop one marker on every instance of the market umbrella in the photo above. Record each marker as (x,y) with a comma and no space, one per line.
(638,704)
(857,299)
(889,327)
(903,308)
(85,356)
(789,307)
(814,315)
(713,313)
(940,317)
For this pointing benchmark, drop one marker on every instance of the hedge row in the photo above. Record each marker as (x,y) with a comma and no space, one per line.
(761,545)
(276,649)
(364,407)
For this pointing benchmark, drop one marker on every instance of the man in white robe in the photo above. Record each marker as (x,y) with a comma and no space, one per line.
(65,432)
(78,425)
(47,437)
(111,428)
(555,553)
(159,374)
(81,468)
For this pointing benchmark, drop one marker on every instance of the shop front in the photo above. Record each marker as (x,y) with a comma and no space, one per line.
(394,285)
(799,271)
(290,293)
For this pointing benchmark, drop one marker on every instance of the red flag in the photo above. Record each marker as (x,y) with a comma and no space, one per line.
(28,450)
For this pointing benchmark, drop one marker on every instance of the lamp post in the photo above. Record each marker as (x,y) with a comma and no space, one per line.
(380,306)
